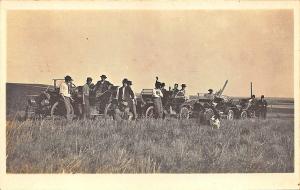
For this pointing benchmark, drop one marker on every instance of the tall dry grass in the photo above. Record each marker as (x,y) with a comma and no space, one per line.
(149,146)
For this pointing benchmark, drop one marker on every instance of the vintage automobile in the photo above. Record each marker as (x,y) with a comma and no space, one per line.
(205,108)
(246,110)
(171,105)
(49,103)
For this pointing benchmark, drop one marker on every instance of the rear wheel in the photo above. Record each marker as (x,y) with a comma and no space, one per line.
(58,111)
(150,112)
(252,114)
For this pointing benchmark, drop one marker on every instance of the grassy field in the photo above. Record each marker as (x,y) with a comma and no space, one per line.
(147,146)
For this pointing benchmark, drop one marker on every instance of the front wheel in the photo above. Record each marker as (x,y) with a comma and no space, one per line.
(230,115)
(184,113)
(58,111)
(244,115)
(109,111)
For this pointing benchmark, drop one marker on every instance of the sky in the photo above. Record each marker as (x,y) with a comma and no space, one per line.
(201,48)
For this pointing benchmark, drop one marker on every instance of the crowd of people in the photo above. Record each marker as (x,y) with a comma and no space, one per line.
(125,95)
(127,101)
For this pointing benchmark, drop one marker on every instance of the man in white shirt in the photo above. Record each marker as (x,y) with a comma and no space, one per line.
(64,91)
(157,95)
(86,98)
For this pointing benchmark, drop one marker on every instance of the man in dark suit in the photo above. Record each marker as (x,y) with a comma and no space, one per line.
(125,96)
(262,105)
(101,91)
(132,102)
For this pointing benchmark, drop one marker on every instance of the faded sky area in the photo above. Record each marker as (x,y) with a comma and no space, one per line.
(197,47)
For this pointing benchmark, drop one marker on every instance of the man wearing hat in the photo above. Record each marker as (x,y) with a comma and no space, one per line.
(181,93)
(157,96)
(124,97)
(262,105)
(86,98)
(100,89)
(175,90)
(210,94)
(64,91)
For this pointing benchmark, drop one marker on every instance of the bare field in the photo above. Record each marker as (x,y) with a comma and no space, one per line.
(149,146)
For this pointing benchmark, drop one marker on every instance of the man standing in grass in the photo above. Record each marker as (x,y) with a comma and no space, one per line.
(101,90)
(86,98)
(262,105)
(157,96)
(132,101)
(124,99)
(64,91)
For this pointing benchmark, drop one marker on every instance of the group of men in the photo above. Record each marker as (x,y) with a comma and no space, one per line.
(161,96)
(258,105)
(126,98)
(125,95)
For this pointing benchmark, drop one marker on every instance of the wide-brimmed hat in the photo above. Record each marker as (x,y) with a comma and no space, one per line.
(68,78)
(210,90)
(103,76)
(89,79)
(183,85)
(125,81)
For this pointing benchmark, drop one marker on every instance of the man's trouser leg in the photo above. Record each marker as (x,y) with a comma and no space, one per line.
(132,107)
(264,113)
(68,107)
(117,114)
(86,107)
(161,108)
(157,107)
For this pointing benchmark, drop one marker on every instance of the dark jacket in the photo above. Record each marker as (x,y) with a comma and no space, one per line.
(128,94)
(262,104)
(102,86)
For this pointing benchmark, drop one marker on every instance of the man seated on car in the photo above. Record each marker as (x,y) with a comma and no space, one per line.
(210,95)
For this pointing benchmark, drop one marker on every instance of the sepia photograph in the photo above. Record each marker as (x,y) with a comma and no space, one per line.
(150,91)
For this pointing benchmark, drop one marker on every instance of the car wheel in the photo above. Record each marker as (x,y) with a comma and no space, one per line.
(150,112)
(184,113)
(244,115)
(230,115)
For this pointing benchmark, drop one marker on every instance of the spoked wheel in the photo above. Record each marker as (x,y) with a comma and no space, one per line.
(230,115)
(208,114)
(58,111)
(150,112)
(109,111)
(244,115)
(252,114)
(184,113)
